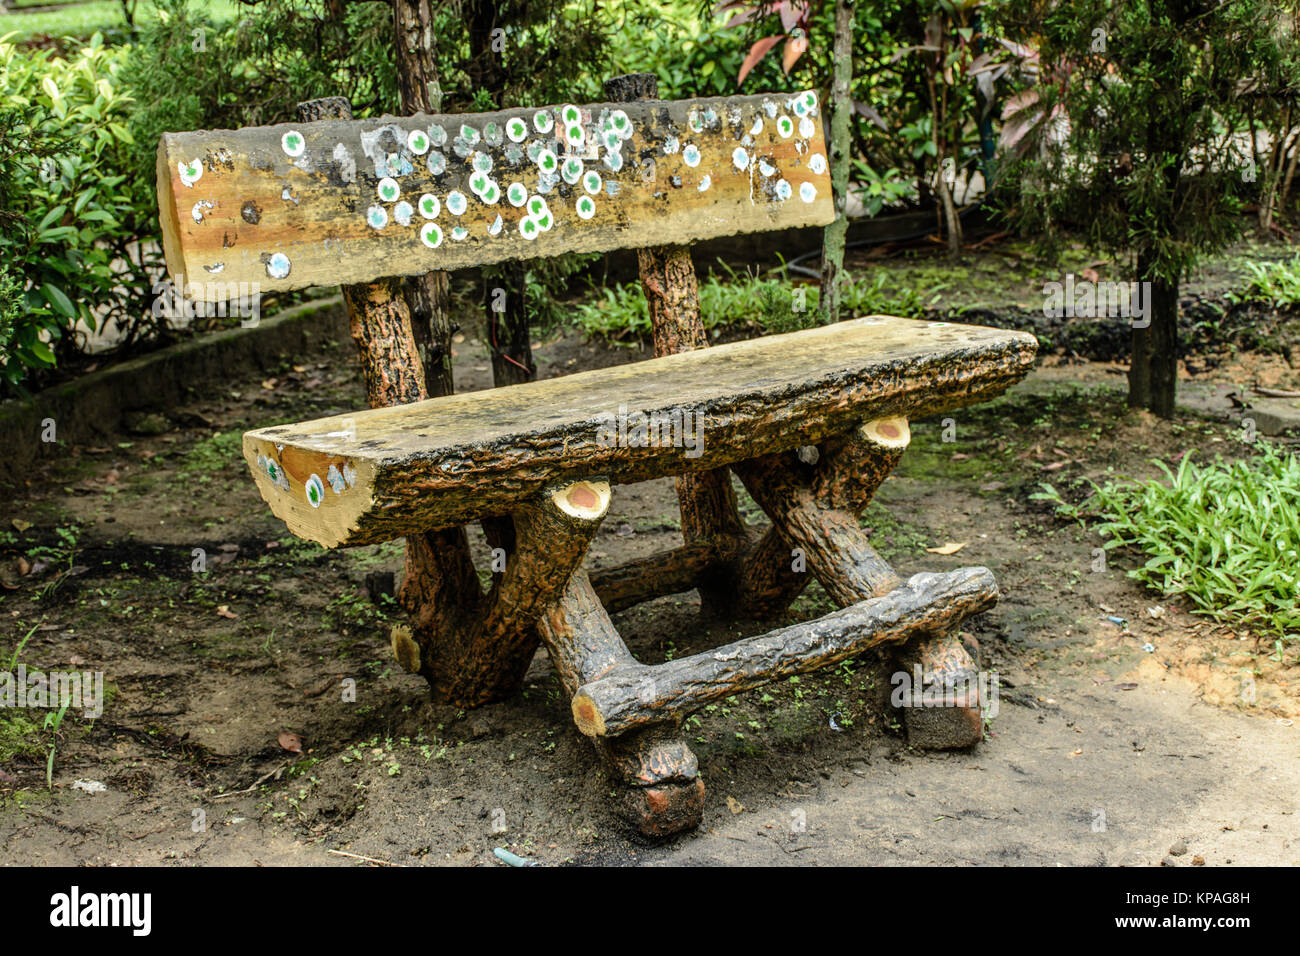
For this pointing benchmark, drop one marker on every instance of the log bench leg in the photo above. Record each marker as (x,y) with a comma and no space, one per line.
(484,655)
(662,793)
(816,510)
(710,520)
(948,671)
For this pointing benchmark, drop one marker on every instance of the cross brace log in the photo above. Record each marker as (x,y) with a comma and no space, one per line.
(630,697)
(668,572)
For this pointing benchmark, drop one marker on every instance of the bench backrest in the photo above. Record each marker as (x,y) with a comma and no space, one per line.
(339,202)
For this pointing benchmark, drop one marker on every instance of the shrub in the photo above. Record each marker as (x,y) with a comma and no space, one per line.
(63,222)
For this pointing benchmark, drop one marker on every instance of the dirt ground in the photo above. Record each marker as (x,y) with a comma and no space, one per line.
(1102,752)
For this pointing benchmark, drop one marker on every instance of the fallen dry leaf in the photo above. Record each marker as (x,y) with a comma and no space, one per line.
(20,524)
(291,742)
(948,547)
(734,805)
(224,611)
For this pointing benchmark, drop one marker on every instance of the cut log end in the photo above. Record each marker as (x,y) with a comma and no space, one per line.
(888,432)
(585,500)
(588,717)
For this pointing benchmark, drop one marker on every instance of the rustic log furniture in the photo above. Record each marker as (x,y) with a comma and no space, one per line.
(333,201)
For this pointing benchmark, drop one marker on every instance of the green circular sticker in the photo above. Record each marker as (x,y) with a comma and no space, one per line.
(315,489)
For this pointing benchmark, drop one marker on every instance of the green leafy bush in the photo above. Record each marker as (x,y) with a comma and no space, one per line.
(64,211)
(1226,534)
(691,52)
(1274,283)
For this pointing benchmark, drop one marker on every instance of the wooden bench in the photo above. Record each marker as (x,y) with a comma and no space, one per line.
(810,422)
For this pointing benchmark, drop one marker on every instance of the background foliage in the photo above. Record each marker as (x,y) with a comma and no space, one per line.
(934,80)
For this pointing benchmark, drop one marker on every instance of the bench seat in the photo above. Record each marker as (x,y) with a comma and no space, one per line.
(385,473)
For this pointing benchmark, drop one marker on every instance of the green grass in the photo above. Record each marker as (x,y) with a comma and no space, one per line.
(1225,534)
(212,455)
(742,301)
(1274,283)
(84,19)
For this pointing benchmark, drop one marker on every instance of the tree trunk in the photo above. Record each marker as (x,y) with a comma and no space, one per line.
(1153,375)
(427,295)
(952,221)
(841,107)
(507,312)
(1139,370)
(1164,347)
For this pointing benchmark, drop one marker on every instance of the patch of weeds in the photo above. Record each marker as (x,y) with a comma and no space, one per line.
(354,608)
(1225,534)
(741,301)
(212,455)
(892,537)
(1273,283)
(20,736)
(60,555)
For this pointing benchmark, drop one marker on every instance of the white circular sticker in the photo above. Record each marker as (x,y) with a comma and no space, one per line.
(293,143)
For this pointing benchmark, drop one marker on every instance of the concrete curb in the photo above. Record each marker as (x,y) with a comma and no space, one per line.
(92,407)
